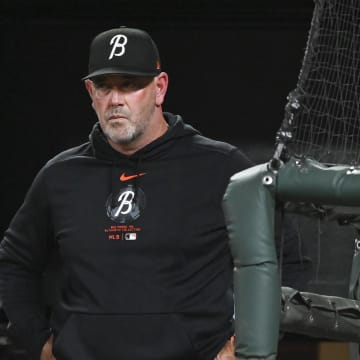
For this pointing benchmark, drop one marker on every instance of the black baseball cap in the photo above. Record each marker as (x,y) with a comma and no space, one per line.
(124,51)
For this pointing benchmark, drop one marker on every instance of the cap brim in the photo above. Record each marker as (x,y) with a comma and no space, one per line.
(113,71)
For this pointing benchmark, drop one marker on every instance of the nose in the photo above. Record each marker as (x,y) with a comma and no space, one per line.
(116,96)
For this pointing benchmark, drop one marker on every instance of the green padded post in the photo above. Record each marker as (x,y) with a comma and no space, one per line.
(249,206)
(314,182)
(309,181)
(354,293)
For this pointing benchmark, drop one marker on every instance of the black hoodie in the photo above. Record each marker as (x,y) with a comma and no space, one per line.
(146,271)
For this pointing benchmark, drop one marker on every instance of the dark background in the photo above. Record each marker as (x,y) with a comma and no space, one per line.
(231,64)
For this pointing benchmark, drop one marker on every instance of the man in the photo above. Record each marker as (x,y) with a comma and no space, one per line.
(135,215)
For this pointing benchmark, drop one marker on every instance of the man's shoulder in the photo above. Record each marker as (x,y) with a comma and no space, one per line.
(77,152)
(224,151)
(213,145)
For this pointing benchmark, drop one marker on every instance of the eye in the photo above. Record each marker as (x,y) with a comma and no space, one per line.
(102,86)
(102,89)
(128,84)
(131,84)
(135,83)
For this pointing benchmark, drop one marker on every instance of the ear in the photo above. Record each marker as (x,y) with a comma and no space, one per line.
(89,87)
(161,83)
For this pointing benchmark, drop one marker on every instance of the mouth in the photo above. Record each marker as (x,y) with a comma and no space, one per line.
(116,117)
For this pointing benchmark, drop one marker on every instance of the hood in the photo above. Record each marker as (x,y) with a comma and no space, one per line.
(177,129)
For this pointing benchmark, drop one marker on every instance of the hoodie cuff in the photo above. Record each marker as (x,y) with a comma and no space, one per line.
(30,341)
(38,344)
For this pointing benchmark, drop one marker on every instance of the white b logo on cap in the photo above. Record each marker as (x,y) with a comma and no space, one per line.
(118,42)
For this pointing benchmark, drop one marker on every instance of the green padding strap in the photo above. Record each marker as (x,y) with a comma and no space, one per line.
(354,284)
(249,207)
(310,181)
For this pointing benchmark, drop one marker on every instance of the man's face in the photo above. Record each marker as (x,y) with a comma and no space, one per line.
(124,105)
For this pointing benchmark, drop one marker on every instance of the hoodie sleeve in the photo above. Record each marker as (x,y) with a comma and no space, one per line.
(24,252)
(239,162)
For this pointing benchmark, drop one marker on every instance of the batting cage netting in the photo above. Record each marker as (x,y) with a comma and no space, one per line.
(322,119)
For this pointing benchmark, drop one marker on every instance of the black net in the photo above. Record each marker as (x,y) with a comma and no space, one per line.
(322,116)
(322,122)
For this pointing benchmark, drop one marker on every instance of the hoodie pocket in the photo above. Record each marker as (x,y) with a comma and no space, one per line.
(124,337)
